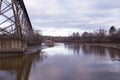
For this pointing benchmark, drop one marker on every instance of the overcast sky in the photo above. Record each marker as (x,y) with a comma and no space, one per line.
(62,17)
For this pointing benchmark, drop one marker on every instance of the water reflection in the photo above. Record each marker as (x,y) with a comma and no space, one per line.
(17,67)
(78,62)
(75,47)
(95,50)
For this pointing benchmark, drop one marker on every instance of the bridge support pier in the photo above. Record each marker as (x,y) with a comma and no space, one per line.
(12,45)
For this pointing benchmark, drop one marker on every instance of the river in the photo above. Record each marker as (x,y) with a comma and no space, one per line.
(64,61)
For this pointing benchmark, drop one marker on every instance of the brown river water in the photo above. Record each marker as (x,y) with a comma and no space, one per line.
(64,62)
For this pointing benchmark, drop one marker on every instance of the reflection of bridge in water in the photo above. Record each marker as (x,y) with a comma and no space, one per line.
(18,67)
(15,26)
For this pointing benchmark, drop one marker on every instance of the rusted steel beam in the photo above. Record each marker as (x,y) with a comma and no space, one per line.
(0,4)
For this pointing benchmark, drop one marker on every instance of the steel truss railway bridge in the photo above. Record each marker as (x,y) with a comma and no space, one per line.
(15,26)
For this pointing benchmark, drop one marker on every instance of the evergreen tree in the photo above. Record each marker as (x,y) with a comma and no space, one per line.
(112,30)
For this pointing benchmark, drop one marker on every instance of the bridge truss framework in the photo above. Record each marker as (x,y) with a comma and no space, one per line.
(15,26)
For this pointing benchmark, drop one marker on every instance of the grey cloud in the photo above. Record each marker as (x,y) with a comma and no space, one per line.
(107,4)
(78,14)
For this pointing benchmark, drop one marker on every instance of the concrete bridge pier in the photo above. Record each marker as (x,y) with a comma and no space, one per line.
(12,45)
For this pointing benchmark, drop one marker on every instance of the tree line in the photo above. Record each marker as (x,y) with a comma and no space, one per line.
(100,36)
